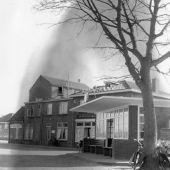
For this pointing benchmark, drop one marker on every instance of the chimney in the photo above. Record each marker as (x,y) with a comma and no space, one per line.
(78,80)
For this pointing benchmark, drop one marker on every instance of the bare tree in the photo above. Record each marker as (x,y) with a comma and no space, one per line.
(135,28)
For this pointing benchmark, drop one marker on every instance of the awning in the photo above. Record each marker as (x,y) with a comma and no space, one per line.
(106,103)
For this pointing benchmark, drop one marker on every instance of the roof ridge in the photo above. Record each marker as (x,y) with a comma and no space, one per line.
(44,76)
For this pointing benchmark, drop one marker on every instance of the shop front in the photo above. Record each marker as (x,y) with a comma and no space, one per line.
(119,120)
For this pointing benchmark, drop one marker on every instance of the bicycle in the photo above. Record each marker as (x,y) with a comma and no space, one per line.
(162,152)
(137,159)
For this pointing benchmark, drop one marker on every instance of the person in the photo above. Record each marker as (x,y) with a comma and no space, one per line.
(80,145)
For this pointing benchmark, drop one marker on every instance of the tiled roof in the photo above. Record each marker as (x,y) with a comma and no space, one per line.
(18,116)
(65,83)
(5,118)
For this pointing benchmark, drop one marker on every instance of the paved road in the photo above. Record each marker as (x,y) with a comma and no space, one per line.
(25,157)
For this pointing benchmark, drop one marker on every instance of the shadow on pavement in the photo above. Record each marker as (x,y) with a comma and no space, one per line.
(67,160)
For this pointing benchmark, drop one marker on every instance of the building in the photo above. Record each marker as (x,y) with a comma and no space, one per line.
(107,118)
(4,126)
(47,119)
(16,126)
(120,118)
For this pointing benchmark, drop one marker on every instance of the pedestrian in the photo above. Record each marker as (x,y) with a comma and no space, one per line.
(80,145)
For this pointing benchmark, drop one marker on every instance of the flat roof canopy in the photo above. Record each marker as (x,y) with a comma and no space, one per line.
(106,103)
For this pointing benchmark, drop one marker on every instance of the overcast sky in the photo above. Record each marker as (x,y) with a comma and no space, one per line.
(28,48)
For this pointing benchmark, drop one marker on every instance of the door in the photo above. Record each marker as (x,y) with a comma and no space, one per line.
(87,132)
(109,132)
(48,133)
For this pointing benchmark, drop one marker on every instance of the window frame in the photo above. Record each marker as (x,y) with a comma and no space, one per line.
(63,126)
(49,109)
(116,122)
(62,109)
(139,123)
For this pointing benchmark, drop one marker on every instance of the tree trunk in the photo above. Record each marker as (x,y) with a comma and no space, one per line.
(150,126)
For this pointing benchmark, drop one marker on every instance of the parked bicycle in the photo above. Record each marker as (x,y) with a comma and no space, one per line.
(138,158)
(162,153)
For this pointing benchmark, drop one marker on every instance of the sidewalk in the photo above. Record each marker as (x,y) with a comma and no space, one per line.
(103,160)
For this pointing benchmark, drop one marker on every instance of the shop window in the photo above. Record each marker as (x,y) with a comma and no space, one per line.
(110,128)
(49,109)
(62,131)
(63,108)
(141,123)
(121,129)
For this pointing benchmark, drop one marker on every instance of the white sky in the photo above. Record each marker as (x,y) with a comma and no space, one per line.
(20,38)
(22,43)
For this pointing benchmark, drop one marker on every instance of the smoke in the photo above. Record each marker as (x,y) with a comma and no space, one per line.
(66,54)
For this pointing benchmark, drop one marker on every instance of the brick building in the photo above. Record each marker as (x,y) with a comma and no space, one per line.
(47,119)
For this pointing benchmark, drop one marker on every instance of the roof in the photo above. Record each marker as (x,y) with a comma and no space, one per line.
(107,103)
(111,88)
(18,116)
(6,118)
(65,83)
(120,87)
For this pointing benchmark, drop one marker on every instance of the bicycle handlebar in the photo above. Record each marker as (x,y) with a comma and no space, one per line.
(139,143)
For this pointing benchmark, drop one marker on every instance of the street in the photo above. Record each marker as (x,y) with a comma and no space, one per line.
(27,157)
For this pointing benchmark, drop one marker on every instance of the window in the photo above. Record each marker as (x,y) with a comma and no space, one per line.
(62,131)
(141,123)
(121,129)
(39,110)
(6,125)
(87,123)
(49,109)
(79,124)
(63,108)
(16,131)
(28,131)
(30,111)
(110,128)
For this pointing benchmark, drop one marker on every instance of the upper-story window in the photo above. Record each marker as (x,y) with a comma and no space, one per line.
(63,108)
(49,109)
(39,109)
(30,111)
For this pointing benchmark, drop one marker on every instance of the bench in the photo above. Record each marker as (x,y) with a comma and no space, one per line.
(97,146)
(107,151)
